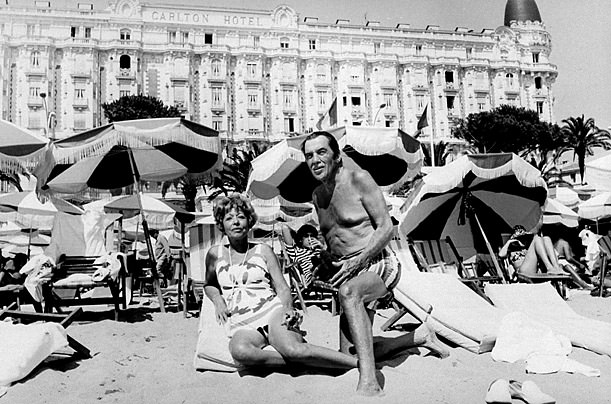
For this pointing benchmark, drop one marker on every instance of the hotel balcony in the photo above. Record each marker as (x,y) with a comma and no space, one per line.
(80,103)
(35,102)
(450,87)
(217,107)
(253,109)
(253,79)
(217,79)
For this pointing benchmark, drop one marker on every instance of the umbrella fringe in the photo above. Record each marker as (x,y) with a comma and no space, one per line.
(266,167)
(16,165)
(136,138)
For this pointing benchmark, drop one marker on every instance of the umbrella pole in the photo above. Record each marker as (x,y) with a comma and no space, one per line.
(490,250)
(145,230)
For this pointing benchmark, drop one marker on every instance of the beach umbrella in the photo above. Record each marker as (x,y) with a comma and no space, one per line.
(598,172)
(126,152)
(555,212)
(565,196)
(272,211)
(19,148)
(474,199)
(596,208)
(390,155)
(25,209)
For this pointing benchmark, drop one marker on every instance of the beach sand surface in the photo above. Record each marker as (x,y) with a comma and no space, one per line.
(148,358)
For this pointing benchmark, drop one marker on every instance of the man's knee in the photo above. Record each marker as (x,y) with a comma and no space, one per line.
(349,292)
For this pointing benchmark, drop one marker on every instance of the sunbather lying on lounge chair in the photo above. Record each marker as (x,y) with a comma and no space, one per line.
(526,250)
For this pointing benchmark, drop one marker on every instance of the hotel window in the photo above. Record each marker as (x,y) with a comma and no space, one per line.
(389,99)
(87,32)
(287,98)
(284,43)
(172,36)
(449,77)
(35,120)
(125,34)
(35,58)
(79,94)
(376,47)
(321,72)
(419,102)
(253,99)
(217,123)
(31,29)
(509,77)
(73,32)
(208,39)
(481,103)
(322,99)
(125,62)
(34,92)
(256,41)
(538,83)
(216,68)
(355,74)
(289,125)
(80,120)
(217,97)
(535,57)
(539,107)
(312,44)
(469,53)
(355,101)
(179,96)
(124,93)
(251,70)
(184,37)
(418,50)
(450,103)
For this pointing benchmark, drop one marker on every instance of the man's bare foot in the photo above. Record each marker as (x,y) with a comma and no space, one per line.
(425,337)
(369,389)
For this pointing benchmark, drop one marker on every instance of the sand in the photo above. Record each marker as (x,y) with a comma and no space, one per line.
(148,359)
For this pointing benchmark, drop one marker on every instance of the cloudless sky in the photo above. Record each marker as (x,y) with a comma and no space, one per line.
(580,30)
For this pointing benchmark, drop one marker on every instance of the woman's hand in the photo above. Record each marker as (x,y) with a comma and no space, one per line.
(220,309)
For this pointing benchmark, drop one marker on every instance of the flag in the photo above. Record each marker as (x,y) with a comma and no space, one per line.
(423,122)
(329,119)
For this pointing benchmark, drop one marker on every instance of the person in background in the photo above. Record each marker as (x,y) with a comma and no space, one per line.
(162,254)
(526,249)
(304,249)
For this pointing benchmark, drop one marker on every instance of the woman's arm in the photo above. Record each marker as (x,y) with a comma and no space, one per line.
(505,248)
(212,288)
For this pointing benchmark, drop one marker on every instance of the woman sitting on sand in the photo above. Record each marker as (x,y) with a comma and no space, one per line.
(251,298)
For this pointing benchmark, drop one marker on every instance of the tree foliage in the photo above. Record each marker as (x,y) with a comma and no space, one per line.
(581,136)
(234,175)
(138,107)
(506,129)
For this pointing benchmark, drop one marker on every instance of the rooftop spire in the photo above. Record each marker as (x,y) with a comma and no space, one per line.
(521,10)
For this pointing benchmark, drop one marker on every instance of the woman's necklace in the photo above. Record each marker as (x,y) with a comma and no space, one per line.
(243,259)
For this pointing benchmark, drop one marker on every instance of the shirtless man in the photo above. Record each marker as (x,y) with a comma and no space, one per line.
(357,228)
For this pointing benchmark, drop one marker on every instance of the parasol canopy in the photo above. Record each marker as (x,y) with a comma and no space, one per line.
(596,207)
(474,199)
(278,209)
(598,172)
(390,155)
(555,212)
(158,213)
(19,148)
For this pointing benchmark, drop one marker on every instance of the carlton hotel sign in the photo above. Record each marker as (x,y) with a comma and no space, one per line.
(207,18)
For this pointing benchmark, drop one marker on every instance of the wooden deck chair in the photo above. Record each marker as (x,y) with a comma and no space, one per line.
(317,293)
(202,236)
(64,319)
(604,244)
(558,281)
(442,256)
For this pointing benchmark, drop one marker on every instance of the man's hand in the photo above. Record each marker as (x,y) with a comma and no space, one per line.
(347,269)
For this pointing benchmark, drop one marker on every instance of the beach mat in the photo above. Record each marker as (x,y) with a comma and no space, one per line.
(542,303)
(456,312)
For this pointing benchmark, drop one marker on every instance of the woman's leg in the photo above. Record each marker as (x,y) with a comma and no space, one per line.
(528,266)
(293,348)
(541,253)
(246,347)
(552,255)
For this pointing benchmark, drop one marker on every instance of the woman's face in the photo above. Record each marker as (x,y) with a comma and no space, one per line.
(235,223)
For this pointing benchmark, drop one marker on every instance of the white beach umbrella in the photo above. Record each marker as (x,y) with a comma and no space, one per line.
(596,207)
(555,212)
(598,173)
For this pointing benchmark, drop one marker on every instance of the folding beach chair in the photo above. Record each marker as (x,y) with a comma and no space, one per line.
(605,256)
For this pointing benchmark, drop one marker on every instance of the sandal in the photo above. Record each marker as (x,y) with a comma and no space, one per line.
(529,392)
(498,392)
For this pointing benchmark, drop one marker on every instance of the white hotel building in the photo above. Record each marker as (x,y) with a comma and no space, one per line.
(261,74)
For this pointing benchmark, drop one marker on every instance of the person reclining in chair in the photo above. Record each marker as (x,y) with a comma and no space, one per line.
(304,249)
(526,250)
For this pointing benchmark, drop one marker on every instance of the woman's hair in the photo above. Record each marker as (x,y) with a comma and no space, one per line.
(331,139)
(239,202)
(518,230)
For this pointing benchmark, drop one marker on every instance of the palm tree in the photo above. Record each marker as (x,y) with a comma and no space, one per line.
(582,136)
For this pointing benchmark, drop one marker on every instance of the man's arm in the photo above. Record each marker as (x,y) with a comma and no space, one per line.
(374,204)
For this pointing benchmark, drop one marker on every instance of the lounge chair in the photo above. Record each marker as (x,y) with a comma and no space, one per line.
(605,259)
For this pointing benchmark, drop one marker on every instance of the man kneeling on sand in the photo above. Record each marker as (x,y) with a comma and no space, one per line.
(357,229)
